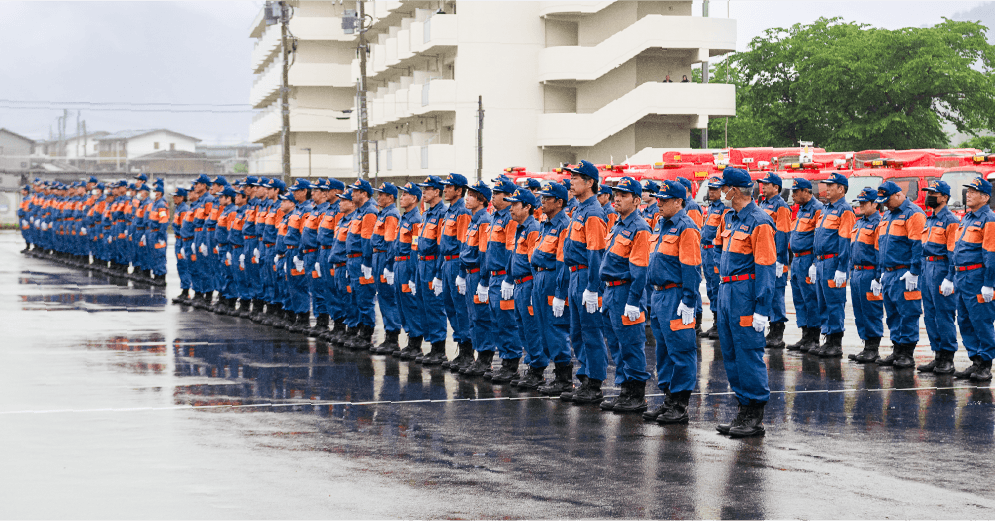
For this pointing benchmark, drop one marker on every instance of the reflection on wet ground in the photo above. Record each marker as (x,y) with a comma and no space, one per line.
(341,431)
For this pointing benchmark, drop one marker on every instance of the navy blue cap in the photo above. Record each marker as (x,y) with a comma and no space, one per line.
(301,184)
(159,187)
(26,188)
(180,191)
(347,195)
(432,181)
(533,184)
(715,182)
(868,195)
(801,184)
(837,178)
(585,168)
(504,186)
(524,197)
(131,186)
(92,180)
(142,177)
(202,178)
(144,187)
(335,184)
(100,186)
(888,189)
(688,185)
(388,188)
(981,185)
(481,188)
(566,183)
(555,190)
(605,190)
(220,180)
(239,183)
(364,185)
(321,184)
(937,186)
(250,181)
(651,186)
(287,197)
(263,182)
(121,184)
(772,179)
(672,190)
(630,185)
(228,192)
(412,189)
(736,178)
(456,180)
(279,185)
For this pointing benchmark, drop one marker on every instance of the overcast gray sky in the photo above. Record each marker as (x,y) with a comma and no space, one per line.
(187,53)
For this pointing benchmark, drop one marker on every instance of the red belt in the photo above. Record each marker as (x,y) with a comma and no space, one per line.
(353,255)
(312,250)
(402,258)
(578,267)
(338,264)
(236,246)
(451,257)
(737,278)
(899,267)
(803,253)
(269,244)
(969,267)
(668,286)
(249,237)
(323,247)
(210,229)
(859,267)
(378,251)
(936,258)
(497,273)
(198,229)
(824,257)
(474,270)
(707,246)
(427,257)
(188,238)
(288,247)
(619,282)
(523,279)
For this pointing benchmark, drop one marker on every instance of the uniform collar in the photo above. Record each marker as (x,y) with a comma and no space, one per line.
(629,219)
(809,204)
(529,219)
(677,216)
(476,216)
(904,207)
(747,209)
(388,208)
(457,205)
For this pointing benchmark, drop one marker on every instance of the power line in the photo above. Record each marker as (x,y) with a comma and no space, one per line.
(102,109)
(127,103)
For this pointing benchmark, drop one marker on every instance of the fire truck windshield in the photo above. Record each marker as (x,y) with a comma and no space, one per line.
(957,180)
(857,185)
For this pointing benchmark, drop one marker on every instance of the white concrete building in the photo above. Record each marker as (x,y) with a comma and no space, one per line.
(129,144)
(322,95)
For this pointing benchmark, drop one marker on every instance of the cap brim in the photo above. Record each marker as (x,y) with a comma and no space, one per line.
(882,200)
(665,196)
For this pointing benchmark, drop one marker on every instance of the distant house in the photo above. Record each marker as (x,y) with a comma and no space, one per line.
(174,162)
(84,146)
(132,144)
(15,150)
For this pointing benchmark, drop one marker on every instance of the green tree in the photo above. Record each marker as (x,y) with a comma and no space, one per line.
(848,86)
(979,142)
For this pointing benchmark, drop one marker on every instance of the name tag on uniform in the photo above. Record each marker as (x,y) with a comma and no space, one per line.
(626,233)
(744,227)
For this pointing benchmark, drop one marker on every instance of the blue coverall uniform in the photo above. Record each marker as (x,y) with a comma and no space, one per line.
(384,236)
(832,253)
(551,281)
(974,267)
(431,307)
(779,211)
(473,257)
(583,251)
(404,264)
(802,241)
(710,254)
(455,224)
(900,245)
(939,312)
(500,245)
(359,252)
(868,309)
(520,272)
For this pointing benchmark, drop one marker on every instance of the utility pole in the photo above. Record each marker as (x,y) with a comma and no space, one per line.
(285,88)
(480,136)
(364,145)
(704,78)
(76,139)
(726,141)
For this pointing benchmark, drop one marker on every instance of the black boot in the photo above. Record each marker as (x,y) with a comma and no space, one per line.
(890,359)
(590,392)
(610,403)
(507,372)
(697,325)
(436,355)
(389,344)
(258,314)
(303,323)
(870,352)
(272,312)
(984,372)
(969,372)
(834,349)
(815,347)
(945,363)
(635,401)
(533,380)
(568,396)
(928,368)
(411,350)
(724,428)
(181,298)
(284,319)
(752,424)
(464,357)
(810,335)
(679,412)
(481,365)
(320,324)
(668,402)
(562,382)
(364,339)
(775,338)
(905,358)
(712,332)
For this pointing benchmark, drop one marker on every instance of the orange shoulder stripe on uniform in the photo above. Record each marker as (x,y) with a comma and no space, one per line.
(689,252)
(764,248)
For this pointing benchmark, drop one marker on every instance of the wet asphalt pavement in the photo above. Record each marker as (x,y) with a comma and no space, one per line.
(118,404)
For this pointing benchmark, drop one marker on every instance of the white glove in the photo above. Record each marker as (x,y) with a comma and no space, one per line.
(203,248)
(388,276)
(298,263)
(911,281)
(987,293)
(760,322)
(437,285)
(507,290)
(109,241)
(876,288)
(317,267)
(779,268)
(228,257)
(241,261)
(461,285)
(591,301)
(686,313)
(839,278)
(367,271)
(631,312)
(558,305)
(812,272)
(946,288)
(414,288)
(482,294)
(24,223)
(141,242)
(82,231)
(255,254)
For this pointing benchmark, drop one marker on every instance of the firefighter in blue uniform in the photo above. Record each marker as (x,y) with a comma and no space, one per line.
(155,234)
(299,300)
(938,300)
(605,198)
(348,319)
(868,309)
(384,236)
(779,211)
(900,246)
(650,188)
(747,276)
(974,279)
(310,248)
(180,247)
(359,263)
(693,211)
(710,254)
(550,287)
(802,243)
(500,246)
(518,287)
(832,254)
(403,267)
(675,272)
(473,259)
(449,280)
(431,306)
(623,272)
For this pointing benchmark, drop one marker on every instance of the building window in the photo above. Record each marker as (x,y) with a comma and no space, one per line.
(172,146)
(94,147)
(155,145)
